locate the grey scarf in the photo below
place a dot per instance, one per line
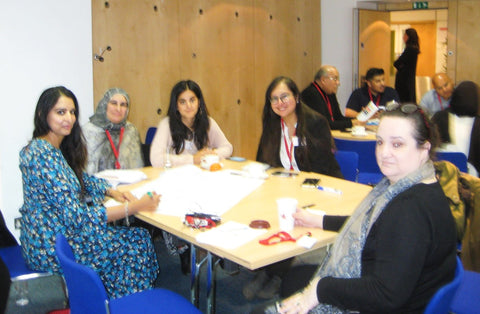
(344, 260)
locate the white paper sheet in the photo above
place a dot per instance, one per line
(229, 235)
(190, 189)
(121, 176)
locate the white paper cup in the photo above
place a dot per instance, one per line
(208, 160)
(286, 207)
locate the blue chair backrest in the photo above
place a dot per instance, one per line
(442, 299)
(348, 162)
(467, 298)
(150, 134)
(457, 158)
(85, 289)
(367, 161)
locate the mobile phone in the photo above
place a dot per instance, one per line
(284, 174)
(236, 158)
(310, 183)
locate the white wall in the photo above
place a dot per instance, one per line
(337, 42)
(44, 43)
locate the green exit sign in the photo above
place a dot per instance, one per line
(420, 5)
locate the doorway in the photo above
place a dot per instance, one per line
(379, 43)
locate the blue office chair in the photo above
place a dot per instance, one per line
(457, 158)
(467, 298)
(150, 134)
(368, 170)
(348, 162)
(442, 299)
(87, 293)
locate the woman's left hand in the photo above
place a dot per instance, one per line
(121, 196)
(301, 302)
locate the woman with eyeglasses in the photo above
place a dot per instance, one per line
(398, 247)
(294, 136)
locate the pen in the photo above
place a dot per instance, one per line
(329, 189)
(308, 206)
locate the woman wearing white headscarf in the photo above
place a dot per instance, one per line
(112, 141)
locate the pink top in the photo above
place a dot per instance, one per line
(163, 139)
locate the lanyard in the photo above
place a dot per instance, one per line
(439, 100)
(289, 150)
(325, 98)
(115, 150)
(371, 97)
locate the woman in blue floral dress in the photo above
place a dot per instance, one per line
(59, 197)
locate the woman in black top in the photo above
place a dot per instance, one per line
(398, 247)
(406, 66)
(294, 136)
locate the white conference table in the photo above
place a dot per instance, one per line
(261, 204)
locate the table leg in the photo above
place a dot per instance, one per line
(195, 275)
(212, 264)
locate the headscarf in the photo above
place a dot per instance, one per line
(100, 152)
(100, 117)
(344, 260)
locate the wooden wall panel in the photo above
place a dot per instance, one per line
(232, 48)
(374, 49)
(427, 33)
(467, 41)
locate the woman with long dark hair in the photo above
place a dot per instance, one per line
(188, 132)
(294, 136)
(59, 197)
(406, 66)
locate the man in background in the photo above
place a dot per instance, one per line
(374, 91)
(439, 97)
(321, 96)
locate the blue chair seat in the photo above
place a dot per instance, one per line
(87, 293)
(13, 258)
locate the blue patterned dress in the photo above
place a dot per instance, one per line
(123, 257)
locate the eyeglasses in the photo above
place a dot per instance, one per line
(406, 108)
(283, 98)
(334, 78)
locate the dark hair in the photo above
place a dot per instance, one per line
(180, 132)
(423, 130)
(269, 147)
(73, 145)
(464, 101)
(372, 72)
(413, 39)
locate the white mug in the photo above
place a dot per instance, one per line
(208, 160)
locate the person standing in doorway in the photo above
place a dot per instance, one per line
(406, 66)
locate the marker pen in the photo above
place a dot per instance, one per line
(329, 189)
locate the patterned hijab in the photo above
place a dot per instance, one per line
(100, 117)
(344, 260)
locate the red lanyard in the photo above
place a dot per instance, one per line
(325, 98)
(371, 97)
(440, 101)
(289, 150)
(115, 150)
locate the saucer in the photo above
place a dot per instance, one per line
(360, 134)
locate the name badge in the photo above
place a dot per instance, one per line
(295, 141)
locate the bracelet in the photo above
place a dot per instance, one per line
(127, 222)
